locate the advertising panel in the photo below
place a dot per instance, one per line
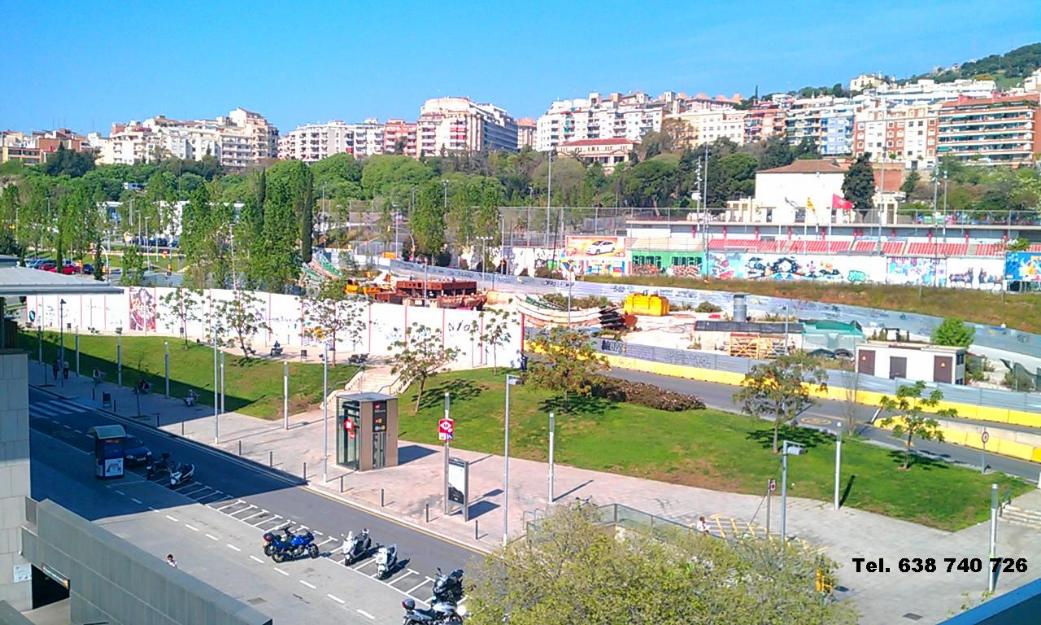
(594, 247)
(1023, 267)
(458, 484)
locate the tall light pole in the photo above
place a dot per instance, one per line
(448, 451)
(510, 381)
(61, 333)
(549, 194)
(787, 449)
(945, 206)
(552, 434)
(216, 404)
(992, 574)
(838, 460)
(325, 411)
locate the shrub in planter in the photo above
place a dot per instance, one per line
(645, 395)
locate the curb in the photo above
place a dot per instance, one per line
(412, 525)
(246, 462)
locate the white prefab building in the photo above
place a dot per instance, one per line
(912, 361)
(802, 192)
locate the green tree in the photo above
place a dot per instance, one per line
(776, 153)
(566, 362)
(243, 316)
(330, 318)
(276, 260)
(297, 185)
(910, 183)
(806, 149)
(393, 176)
(858, 186)
(68, 163)
(496, 326)
(133, 270)
(427, 221)
(420, 355)
(652, 182)
(781, 389)
(953, 332)
(911, 420)
(180, 307)
(10, 204)
(573, 570)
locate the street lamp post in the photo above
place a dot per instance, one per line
(838, 460)
(325, 411)
(945, 207)
(991, 573)
(119, 355)
(787, 449)
(216, 405)
(166, 366)
(61, 333)
(510, 381)
(552, 433)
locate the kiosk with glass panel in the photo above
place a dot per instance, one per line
(366, 431)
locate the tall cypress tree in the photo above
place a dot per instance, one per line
(859, 185)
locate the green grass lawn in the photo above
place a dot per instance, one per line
(252, 387)
(1021, 311)
(706, 448)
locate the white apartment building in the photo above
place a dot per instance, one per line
(526, 128)
(457, 124)
(313, 142)
(902, 133)
(239, 140)
(928, 91)
(616, 117)
(705, 126)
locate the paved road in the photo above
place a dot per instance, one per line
(720, 396)
(230, 490)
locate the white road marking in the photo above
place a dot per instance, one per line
(336, 599)
(280, 571)
(256, 559)
(365, 614)
(407, 573)
(212, 537)
(246, 509)
(66, 426)
(231, 546)
(191, 527)
(173, 518)
(136, 500)
(325, 541)
(197, 489)
(234, 503)
(153, 508)
(246, 518)
(364, 564)
(419, 585)
(308, 584)
(119, 492)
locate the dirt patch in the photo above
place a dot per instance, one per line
(697, 472)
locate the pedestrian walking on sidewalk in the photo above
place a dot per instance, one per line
(65, 369)
(170, 560)
(702, 525)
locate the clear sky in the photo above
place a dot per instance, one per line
(86, 64)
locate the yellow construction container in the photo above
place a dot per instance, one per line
(644, 304)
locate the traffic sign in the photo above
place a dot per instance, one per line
(348, 424)
(773, 485)
(446, 429)
(985, 436)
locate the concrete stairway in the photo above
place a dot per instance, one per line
(1022, 516)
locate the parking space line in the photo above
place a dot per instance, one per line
(136, 500)
(233, 547)
(364, 564)
(405, 576)
(365, 614)
(256, 559)
(246, 518)
(205, 497)
(280, 571)
(419, 585)
(118, 492)
(191, 527)
(336, 599)
(325, 541)
(173, 518)
(212, 537)
(308, 584)
(246, 509)
(234, 503)
(190, 493)
(152, 508)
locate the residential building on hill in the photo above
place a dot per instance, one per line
(456, 124)
(608, 152)
(903, 133)
(35, 147)
(526, 128)
(696, 127)
(763, 122)
(399, 137)
(1004, 130)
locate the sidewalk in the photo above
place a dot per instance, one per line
(409, 488)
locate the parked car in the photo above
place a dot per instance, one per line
(88, 269)
(49, 266)
(70, 268)
(135, 451)
(600, 247)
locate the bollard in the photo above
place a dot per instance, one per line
(341, 483)
(157, 420)
(477, 533)
(271, 458)
(305, 471)
(240, 447)
(381, 497)
(182, 427)
(428, 513)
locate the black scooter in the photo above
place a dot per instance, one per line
(449, 587)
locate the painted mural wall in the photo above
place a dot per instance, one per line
(140, 311)
(972, 273)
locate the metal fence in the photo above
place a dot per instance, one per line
(993, 337)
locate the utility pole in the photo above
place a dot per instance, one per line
(552, 433)
(216, 416)
(285, 394)
(549, 194)
(510, 381)
(838, 461)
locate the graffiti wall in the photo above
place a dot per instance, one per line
(917, 271)
(142, 311)
(752, 266)
(975, 273)
(594, 256)
(1023, 267)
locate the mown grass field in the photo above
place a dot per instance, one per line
(706, 448)
(252, 387)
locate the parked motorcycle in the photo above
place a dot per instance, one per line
(386, 560)
(356, 547)
(289, 546)
(158, 466)
(440, 613)
(183, 474)
(449, 587)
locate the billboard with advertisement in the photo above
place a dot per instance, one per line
(1023, 266)
(594, 247)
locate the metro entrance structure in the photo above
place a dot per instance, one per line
(366, 431)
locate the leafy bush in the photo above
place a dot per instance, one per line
(578, 302)
(707, 307)
(648, 395)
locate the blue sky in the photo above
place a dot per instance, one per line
(87, 64)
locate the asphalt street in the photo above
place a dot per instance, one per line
(239, 501)
(826, 413)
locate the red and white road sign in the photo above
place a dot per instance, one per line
(985, 436)
(445, 429)
(348, 425)
(772, 485)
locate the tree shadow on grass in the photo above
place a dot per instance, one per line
(575, 404)
(804, 437)
(927, 463)
(460, 390)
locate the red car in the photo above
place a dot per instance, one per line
(49, 267)
(71, 268)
